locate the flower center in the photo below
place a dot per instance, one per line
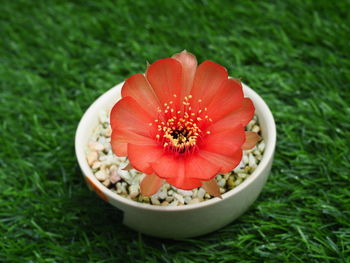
(180, 129)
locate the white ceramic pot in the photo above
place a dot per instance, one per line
(188, 220)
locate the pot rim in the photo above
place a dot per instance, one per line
(85, 168)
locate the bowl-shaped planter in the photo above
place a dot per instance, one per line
(180, 221)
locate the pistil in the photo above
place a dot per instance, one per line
(180, 130)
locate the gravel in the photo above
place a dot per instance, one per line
(108, 169)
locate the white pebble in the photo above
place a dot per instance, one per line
(103, 117)
(226, 176)
(195, 192)
(113, 169)
(124, 174)
(169, 199)
(103, 157)
(174, 203)
(96, 165)
(245, 159)
(222, 182)
(166, 186)
(155, 201)
(252, 161)
(119, 187)
(96, 146)
(101, 175)
(187, 199)
(256, 128)
(251, 124)
(257, 153)
(179, 198)
(238, 181)
(123, 188)
(238, 170)
(91, 157)
(106, 182)
(184, 192)
(194, 201)
(107, 132)
(261, 146)
(240, 166)
(109, 160)
(134, 191)
(162, 194)
(170, 192)
(249, 151)
(201, 193)
(108, 148)
(155, 195)
(114, 178)
(102, 140)
(136, 179)
(132, 172)
(242, 175)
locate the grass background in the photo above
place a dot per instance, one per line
(57, 57)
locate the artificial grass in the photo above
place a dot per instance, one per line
(57, 57)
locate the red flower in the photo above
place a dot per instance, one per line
(182, 123)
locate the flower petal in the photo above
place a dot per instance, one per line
(226, 163)
(224, 148)
(198, 167)
(165, 77)
(251, 138)
(139, 89)
(128, 115)
(207, 81)
(129, 124)
(242, 116)
(119, 148)
(184, 183)
(173, 170)
(225, 142)
(168, 166)
(127, 136)
(212, 187)
(189, 66)
(150, 184)
(141, 156)
(228, 99)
